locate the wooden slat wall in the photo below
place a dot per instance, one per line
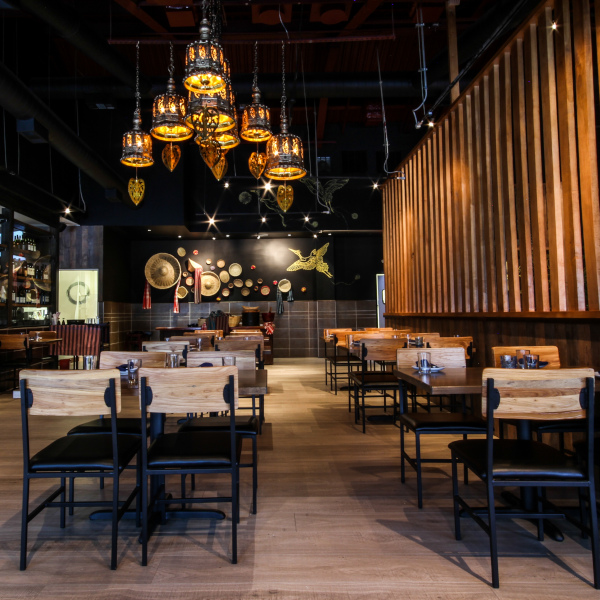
(499, 211)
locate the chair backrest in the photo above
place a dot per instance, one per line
(465, 342)
(245, 332)
(189, 390)
(327, 333)
(427, 336)
(14, 341)
(215, 332)
(536, 394)
(110, 359)
(245, 360)
(205, 342)
(166, 346)
(547, 354)
(44, 335)
(451, 358)
(69, 393)
(380, 349)
(233, 344)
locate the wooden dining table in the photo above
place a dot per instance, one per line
(466, 380)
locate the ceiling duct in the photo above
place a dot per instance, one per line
(22, 103)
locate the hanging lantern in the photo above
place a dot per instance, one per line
(256, 118)
(170, 156)
(204, 70)
(136, 189)
(220, 168)
(205, 122)
(168, 113)
(228, 139)
(222, 102)
(285, 197)
(256, 163)
(285, 154)
(137, 144)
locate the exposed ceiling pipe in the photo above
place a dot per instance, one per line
(22, 103)
(330, 85)
(69, 25)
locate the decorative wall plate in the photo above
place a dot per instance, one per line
(248, 283)
(182, 292)
(225, 292)
(208, 261)
(245, 292)
(265, 290)
(230, 285)
(235, 270)
(220, 263)
(210, 283)
(185, 274)
(189, 281)
(259, 281)
(224, 276)
(238, 282)
(181, 251)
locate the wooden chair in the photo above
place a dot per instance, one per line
(550, 355)
(202, 342)
(111, 359)
(181, 348)
(213, 332)
(15, 353)
(65, 394)
(365, 383)
(428, 423)
(338, 364)
(246, 426)
(163, 391)
(232, 344)
(464, 342)
(526, 395)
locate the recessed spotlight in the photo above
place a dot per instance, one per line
(268, 185)
(431, 124)
(258, 237)
(179, 236)
(214, 238)
(67, 210)
(226, 235)
(264, 219)
(375, 185)
(328, 234)
(554, 25)
(226, 184)
(289, 235)
(314, 235)
(149, 229)
(306, 218)
(211, 221)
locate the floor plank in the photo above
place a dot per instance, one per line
(334, 522)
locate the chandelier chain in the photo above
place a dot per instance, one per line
(255, 80)
(137, 78)
(283, 97)
(171, 61)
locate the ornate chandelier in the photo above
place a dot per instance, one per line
(204, 61)
(137, 144)
(169, 111)
(256, 119)
(285, 154)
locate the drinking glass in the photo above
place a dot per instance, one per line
(521, 354)
(531, 361)
(133, 366)
(508, 361)
(424, 362)
(419, 341)
(229, 361)
(89, 362)
(173, 360)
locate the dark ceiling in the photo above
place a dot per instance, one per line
(68, 77)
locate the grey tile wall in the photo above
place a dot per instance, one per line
(298, 330)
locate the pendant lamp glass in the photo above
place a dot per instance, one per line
(169, 111)
(256, 118)
(137, 144)
(285, 153)
(204, 69)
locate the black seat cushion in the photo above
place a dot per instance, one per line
(84, 452)
(188, 450)
(443, 422)
(126, 426)
(518, 458)
(244, 425)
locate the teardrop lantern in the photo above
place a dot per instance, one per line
(220, 168)
(285, 197)
(170, 156)
(210, 150)
(256, 163)
(136, 189)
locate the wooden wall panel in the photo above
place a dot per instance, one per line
(499, 213)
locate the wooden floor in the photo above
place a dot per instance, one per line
(333, 522)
